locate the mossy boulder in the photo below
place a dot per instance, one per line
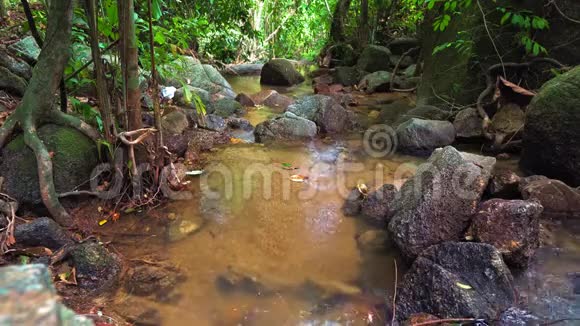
(375, 58)
(75, 156)
(551, 141)
(280, 72)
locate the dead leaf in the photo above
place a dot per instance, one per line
(298, 178)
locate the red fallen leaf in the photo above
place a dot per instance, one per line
(512, 93)
(51, 154)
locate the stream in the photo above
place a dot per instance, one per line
(291, 241)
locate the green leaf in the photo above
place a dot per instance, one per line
(156, 9)
(505, 17)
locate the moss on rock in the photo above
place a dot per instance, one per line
(75, 156)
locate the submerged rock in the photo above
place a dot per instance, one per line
(421, 137)
(180, 229)
(352, 204)
(159, 281)
(42, 231)
(558, 199)
(280, 72)
(378, 206)
(289, 126)
(327, 113)
(456, 279)
(75, 157)
(551, 145)
(438, 202)
(34, 298)
(272, 99)
(511, 226)
(97, 269)
(374, 58)
(245, 100)
(373, 240)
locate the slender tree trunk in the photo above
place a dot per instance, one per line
(337, 34)
(102, 90)
(130, 61)
(363, 25)
(3, 10)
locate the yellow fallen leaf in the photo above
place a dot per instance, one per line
(464, 286)
(363, 189)
(236, 140)
(298, 178)
(103, 222)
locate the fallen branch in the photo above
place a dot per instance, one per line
(568, 18)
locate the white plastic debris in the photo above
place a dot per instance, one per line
(168, 92)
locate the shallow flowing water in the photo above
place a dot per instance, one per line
(292, 240)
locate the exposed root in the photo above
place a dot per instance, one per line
(45, 176)
(490, 82)
(392, 81)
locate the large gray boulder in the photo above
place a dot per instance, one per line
(421, 137)
(456, 279)
(325, 111)
(551, 140)
(75, 157)
(189, 71)
(378, 206)
(29, 298)
(280, 72)
(511, 226)
(287, 127)
(438, 203)
(374, 58)
(26, 49)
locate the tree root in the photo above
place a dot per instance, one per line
(392, 81)
(490, 82)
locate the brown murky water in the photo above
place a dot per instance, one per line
(291, 238)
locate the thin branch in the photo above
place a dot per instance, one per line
(88, 63)
(441, 321)
(394, 73)
(553, 2)
(491, 38)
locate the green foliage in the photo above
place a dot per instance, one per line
(522, 20)
(88, 113)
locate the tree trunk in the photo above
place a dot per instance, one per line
(37, 105)
(363, 26)
(102, 90)
(337, 26)
(3, 11)
(130, 61)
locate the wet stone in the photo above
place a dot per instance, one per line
(373, 240)
(42, 231)
(159, 281)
